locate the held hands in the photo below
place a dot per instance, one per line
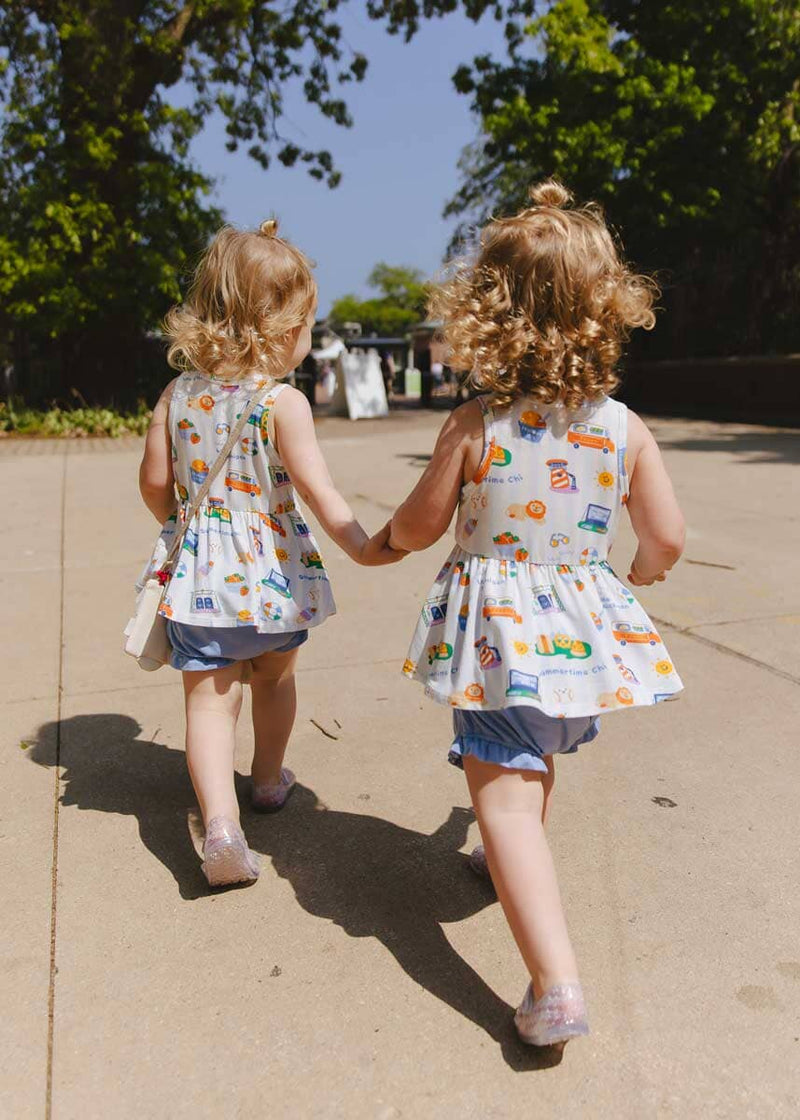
(639, 580)
(377, 551)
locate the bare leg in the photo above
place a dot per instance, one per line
(509, 805)
(213, 702)
(477, 857)
(548, 781)
(274, 708)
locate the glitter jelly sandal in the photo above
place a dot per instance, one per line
(269, 799)
(553, 1019)
(226, 857)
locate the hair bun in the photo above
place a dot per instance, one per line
(269, 228)
(550, 193)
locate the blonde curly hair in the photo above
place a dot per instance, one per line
(250, 291)
(542, 307)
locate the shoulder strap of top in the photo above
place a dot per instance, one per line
(258, 398)
(489, 438)
(271, 397)
(178, 387)
(622, 449)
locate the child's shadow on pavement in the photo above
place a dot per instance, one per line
(369, 876)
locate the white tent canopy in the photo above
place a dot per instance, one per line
(329, 353)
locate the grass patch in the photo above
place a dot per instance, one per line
(17, 419)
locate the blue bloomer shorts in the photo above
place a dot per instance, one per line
(200, 648)
(518, 738)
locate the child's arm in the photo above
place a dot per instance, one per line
(653, 508)
(301, 455)
(156, 479)
(426, 513)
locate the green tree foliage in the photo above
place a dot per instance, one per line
(401, 304)
(683, 120)
(101, 207)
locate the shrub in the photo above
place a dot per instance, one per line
(16, 418)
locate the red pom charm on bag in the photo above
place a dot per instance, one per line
(163, 576)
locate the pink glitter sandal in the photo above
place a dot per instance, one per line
(269, 799)
(553, 1019)
(226, 856)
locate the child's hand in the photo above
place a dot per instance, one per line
(638, 580)
(377, 551)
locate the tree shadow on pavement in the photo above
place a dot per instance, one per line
(369, 876)
(752, 446)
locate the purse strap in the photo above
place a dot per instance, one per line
(202, 493)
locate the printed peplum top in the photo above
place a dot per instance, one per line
(249, 558)
(527, 609)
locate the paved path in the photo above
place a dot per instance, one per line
(367, 975)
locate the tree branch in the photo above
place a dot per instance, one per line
(175, 28)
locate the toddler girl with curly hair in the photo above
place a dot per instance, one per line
(527, 631)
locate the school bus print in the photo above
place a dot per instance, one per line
(500, 608)
(272, 523)
(630, 633)
(245, 483)
(591, 435)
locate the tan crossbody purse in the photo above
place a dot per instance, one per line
(146, 633)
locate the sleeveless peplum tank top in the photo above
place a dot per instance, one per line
(527, 609)
(249, 558)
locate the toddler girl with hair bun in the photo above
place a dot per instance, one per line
(249, 582)
(527, 632)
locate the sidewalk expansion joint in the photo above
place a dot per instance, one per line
(376, 502)
(51, 987)
(752, 618)
(688, 632)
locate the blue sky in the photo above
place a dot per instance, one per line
(398, 161)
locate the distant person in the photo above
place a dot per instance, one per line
(527, 632)
(437, 373)
(388, 372)
(423, 360)
(305, 378)
(248, 582)
(328, 379)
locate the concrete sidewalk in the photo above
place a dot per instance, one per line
(367, 974)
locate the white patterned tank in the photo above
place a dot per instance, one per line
(249, 558)
(527, 609)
